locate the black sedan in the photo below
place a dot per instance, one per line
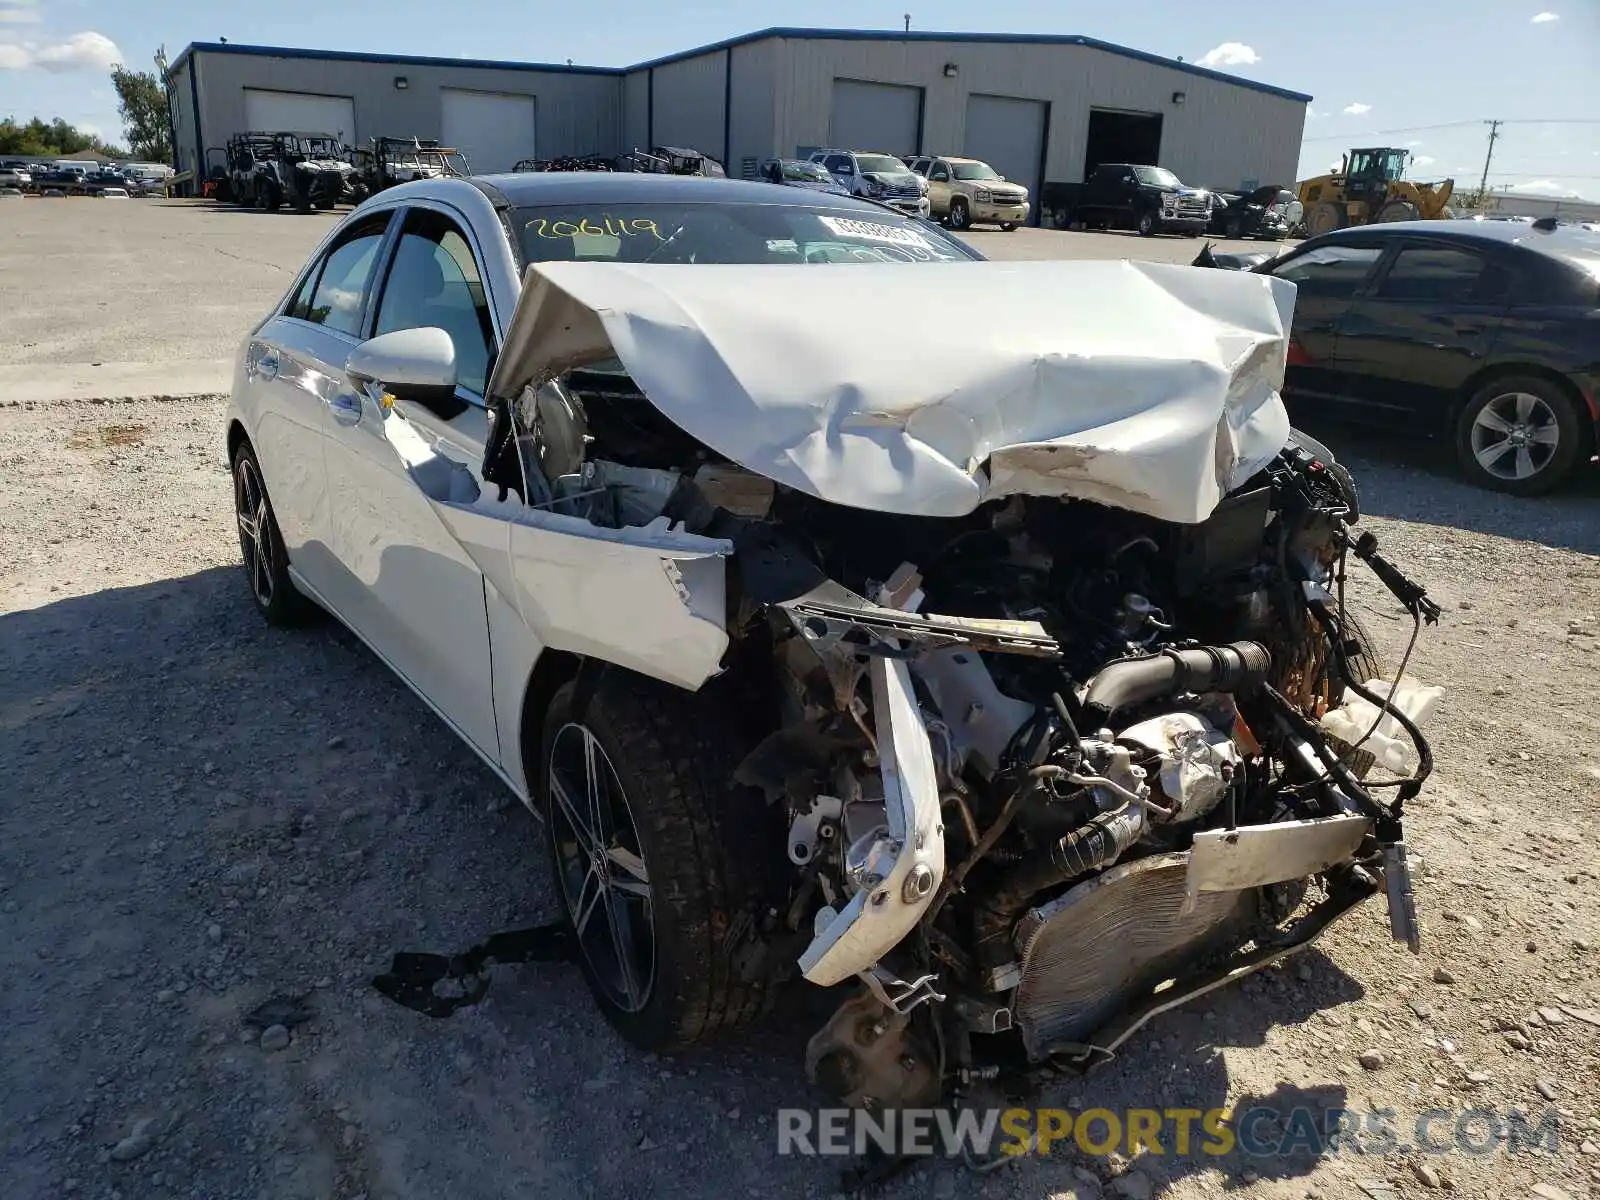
(1485, 332)
(1269, 212)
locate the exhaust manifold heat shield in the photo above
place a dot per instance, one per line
(1107, 943)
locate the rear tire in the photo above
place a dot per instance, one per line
(1061, 218)
(1521, 434)
(1146, 225)
(266, 559)
(675, 869)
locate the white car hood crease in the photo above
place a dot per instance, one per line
(930, 391)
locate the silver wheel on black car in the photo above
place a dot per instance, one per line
(1520, 434)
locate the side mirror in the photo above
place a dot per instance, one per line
(413, 364)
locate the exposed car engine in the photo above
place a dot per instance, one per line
(1027, 766)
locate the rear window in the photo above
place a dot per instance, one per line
(730, 233)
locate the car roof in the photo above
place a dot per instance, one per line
(1561, 241)
(643, 187)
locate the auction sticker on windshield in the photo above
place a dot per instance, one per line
(872, 231)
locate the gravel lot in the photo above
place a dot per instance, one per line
(202, 813)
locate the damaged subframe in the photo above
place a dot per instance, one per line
(1061, 734)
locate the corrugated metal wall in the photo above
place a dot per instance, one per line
(689, 103)
(751, 133)
(1221, 135)
(578, 113)
(635, 111)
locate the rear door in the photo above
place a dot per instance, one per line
(1425, 326)
(1328, 279)
(293, 379)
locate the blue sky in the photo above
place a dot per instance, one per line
(1381, 72)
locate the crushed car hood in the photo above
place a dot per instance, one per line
(1143, 386)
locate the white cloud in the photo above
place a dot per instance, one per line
(1543, 187)
(1423, 160)
(1544, 18)
(13, 14)
(1356, 109)
(88, 51)
(1415, 142)
(1311, 113)
(1230, 54)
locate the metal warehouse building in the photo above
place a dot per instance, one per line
(1038, 108)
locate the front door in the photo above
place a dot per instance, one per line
(939, 188)
(1328, 279)
(414, 592)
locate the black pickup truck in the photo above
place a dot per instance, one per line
(1148, 199)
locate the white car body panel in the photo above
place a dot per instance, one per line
(1147, 387)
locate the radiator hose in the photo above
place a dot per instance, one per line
(1093, 844)
(1235, 668)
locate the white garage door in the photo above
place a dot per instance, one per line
(493, 129)
(1008, 134)
(301, 112)
(875, 116)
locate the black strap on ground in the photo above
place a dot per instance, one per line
(437, 985)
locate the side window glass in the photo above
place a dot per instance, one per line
(941, 172)
(840, 163)
(340, 292)
(435, 282)
(1434, 274)
(300, 305)
(1331, 271)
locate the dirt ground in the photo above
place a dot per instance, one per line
(201, 813)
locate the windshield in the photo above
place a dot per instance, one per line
(807, 172)
(974, 170)
(676, 232)
(882, 164)
(1158, 177)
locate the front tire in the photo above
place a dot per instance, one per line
(1522, 435)
(959, 216)
(655, 854)
(266, 560)
(1008, 226)
(1324, 218)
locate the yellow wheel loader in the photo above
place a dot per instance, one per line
(1369, 186)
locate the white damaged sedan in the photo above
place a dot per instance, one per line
(988, 659)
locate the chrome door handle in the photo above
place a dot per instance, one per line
(345, 407)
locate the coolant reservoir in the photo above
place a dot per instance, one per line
(1388, 743)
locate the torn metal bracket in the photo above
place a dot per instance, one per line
(829, 615)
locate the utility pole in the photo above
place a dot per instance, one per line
(908, 22)
(1494, 132)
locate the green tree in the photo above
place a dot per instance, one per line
(49, 139)
(142, 102)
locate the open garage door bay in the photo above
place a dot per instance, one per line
(300, 112)
(885, 117)
(1008, 134)
(494, 129)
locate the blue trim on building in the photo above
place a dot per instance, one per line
(409, 60)
(200, 164)
(793, 33)
(1003, 39)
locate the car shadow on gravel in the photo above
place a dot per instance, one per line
(1416, 479)
(205, 813)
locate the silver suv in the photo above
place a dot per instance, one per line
(880, 177)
